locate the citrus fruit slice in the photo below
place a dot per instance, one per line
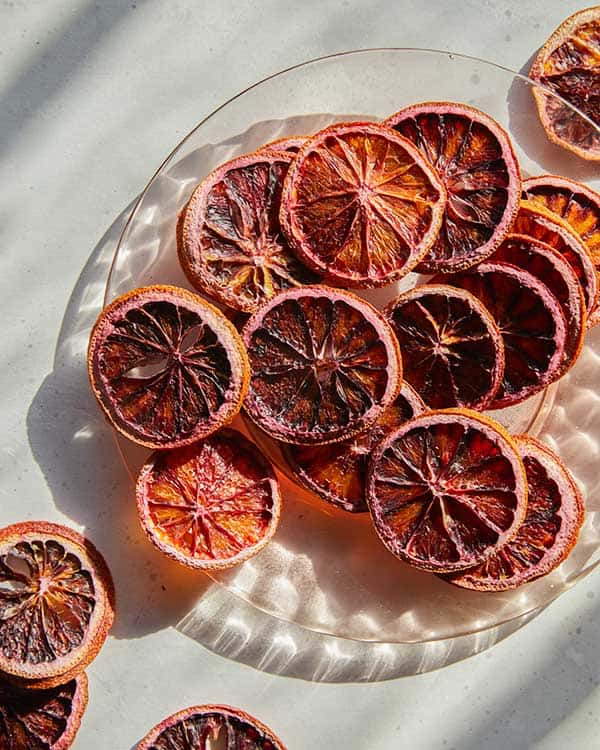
(325, 364)
(549, 266)
(475, 159)
(578, 205)
(194, 728)
(531, 322)
(537, 222)
(452, 350)
(337, 472)
(446, 490)
(209, 505)
(166, 367)
(230, 243)
(361, 205)
(56, 603)
(555, 513)
(569, 65)
(291, 143)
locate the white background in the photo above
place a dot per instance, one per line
(92, 96)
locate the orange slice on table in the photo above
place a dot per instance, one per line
(166, 367)
(569, 65)
(56, 604)
(446, 490)
(476, 162)
(209, 505)
(325, 365)
(452, 350)
(361, 205)
(290, 143)
(555, 513)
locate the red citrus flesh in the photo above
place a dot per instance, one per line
(361, 205)
(569, 65)
(194, 728)
(290, 143)
(166, 367)
(325, 365)
(42, 719)
(209, 505)
(446, 490)
(530, 320)
(56, 603)
(555, 513)
(337, 472)
(476, 162)
(452, 350)
(230, 242)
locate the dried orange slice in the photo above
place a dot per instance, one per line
(475, 159)
(56, 603)
(166, 367)
(201, 727)
(361, 205)
(549, 266)
(230, 243)
(537, 222)
(209, 505)
(337, 472)
(555, 513)
(291, 143)
(42, 719)
(452, 350)
(569, 65)
(578, 205)
(531, 322)
(325, 364)
(446, 490)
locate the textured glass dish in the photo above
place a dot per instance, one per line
(326, 570)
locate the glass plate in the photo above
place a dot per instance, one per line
(326, 570)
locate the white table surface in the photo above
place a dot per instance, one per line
(92, 96)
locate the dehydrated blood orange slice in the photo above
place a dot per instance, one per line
(291, 143)
(452, 350)
(361, 205)
(475, 159)
(549, 266)
(337, 471)
(198, 727)
(555, 513)
(446, 490)
(569, 65)
(230, 243)
(166, 367)
(537, 222)
(577, 204)
(325, 364)
(56, 603)
(42, 719)
(209, 505)
(531, 322)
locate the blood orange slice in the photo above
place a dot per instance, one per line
(569, 65)
(166, 367)
(555, 513)
(337, 472)
(197, 728)
(361, 205)
(475, 159)
(446, 490)
(578, 205)
(325, 365)
(56, 603)
(291, 143)
(452, 349)
(549, 266)
(537, 222)
(230, 243)
(42, 719)
(209, 505)
(531, 322)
